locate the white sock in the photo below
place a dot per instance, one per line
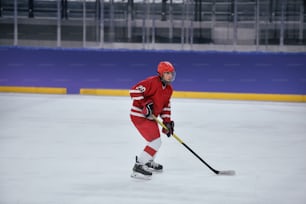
(145, 157)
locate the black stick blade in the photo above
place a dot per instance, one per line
(227, 173)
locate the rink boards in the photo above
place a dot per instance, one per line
(211, 75)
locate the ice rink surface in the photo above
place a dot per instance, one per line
(73, 149)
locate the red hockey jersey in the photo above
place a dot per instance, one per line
(152, 89)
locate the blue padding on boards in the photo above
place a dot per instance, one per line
(279, 73)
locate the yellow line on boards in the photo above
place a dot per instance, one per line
(25, 89)
(105, 92)
(207, 95)
(176, 94)
(241, 96)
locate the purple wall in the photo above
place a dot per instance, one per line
(282, 73)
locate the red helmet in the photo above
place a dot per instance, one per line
(163, 67)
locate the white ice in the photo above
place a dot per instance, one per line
(73, 149)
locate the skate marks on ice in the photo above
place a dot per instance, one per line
(138, 176)
(74, 149)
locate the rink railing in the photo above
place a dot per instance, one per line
(207, 95)
(176, 94)
(204, 75)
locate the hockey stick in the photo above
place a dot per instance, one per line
(226, 172)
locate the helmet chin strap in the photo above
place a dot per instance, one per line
(164, 82)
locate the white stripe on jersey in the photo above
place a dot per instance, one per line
(137, 114)
(135, 91)
(140, 115)
(166, 109)
(136, 108)
(165, 116)
(138, 98)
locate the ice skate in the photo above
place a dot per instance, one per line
(153, 166)
(140, 171)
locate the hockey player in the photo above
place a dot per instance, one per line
(152, 96)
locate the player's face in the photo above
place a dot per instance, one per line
(169, 76)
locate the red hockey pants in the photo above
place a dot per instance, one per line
(147, 128)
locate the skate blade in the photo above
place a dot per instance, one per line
(155, 170)
(137, 175)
